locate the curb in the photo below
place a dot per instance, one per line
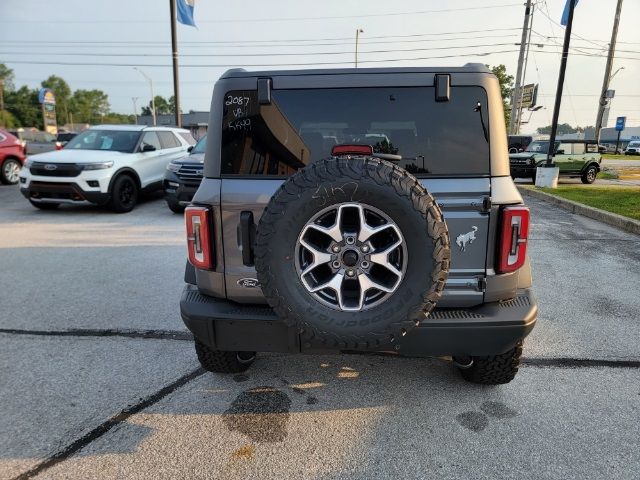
(627, 224)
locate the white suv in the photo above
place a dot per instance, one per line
(105, 165)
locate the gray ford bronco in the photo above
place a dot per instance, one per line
(367, 210)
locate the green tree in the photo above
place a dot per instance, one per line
(172, 104)
(89, 106)
(23, 104)
(563, 129)
(162, 106)
(6, 77)
(506, 87)
(62, 93)
(7, 120)
(118, 118)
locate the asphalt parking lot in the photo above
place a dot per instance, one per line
(98, 378)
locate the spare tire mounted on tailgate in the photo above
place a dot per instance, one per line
(353, 251)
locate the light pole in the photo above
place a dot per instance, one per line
(135, 109)
(530, 110)
(153, 100)
(358, 32)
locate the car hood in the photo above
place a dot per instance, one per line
(77, 156)
(197, 158)
(523, 155)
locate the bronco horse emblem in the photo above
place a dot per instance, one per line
(465, 238)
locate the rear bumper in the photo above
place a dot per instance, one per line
(489, 329)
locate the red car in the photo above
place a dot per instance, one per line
(12, 156)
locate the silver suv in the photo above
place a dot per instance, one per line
(340, 212)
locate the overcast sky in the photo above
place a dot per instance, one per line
(41, 37)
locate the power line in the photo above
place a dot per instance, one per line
(271, 54)
(275, 45)
(474, 54)
(128, 43)
(283, 19)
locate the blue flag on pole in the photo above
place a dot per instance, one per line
(185, 12)
(565, 14)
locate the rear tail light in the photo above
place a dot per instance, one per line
(514, 236)
(351, 150)
(58, 146)
(198, 238)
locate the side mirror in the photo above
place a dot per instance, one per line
(190, 148)
(559, 152)
(148, 148)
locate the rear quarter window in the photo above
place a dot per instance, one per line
(303, 125)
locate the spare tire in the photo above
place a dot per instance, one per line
(353, 251)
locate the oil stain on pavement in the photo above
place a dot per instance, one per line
(478, 421)
(261, 413)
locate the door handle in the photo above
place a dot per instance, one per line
(247, 237)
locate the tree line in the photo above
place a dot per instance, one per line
(19, 107)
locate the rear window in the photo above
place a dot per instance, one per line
(302, 126)
(168, 140)
(187, 137)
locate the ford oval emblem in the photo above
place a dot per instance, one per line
(50, 166)
(249, 282)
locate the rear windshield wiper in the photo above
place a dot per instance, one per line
(478, 108)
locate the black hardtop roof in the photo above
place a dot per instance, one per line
(568, 140)
(468, 68)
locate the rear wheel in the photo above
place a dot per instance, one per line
(217, 361)
(44, 206)
(10, 171)
(491, 369)
(124, 194)
(175, 207)
(589, 175)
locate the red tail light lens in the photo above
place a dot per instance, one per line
(58, 146)
(514, 236)
(198, 238)
(352, 150)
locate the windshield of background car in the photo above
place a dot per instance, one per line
(111, 140)
(539, 146)
(200, 146)
(302, 126)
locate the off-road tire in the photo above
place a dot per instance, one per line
(494, 369)
(217, 361)
(589, 175)
(119, 202)
(44, 206)
(361, 180)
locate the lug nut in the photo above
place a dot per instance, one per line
(336, 264)
(365, 264)
(335, 248)
(365, 248)
(351, 240)
(350, 273)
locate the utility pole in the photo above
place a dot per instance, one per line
(607, 71)
(135, 110)
(563, 68)
(524, 71)
(358, 32)
(174, 54)
(517, 91)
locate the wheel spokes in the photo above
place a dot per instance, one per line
(366, 231)
(319, 257)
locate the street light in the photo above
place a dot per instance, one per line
(153, 100)
(531, 110)
(358, 32)
(135, 109)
